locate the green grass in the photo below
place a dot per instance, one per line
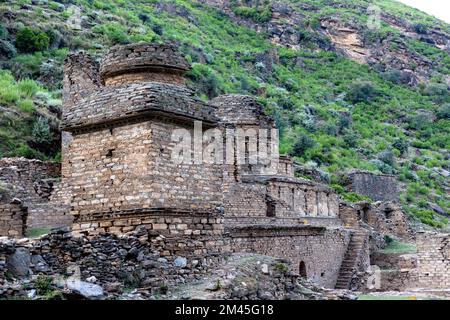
(37, 232)
(399, 247)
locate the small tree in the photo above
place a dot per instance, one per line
(29, 40)
(41, 131)
(303, 143)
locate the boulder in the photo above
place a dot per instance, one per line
(19, 262)
(86, 289)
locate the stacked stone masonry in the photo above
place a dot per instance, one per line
(433, 260)
(118, 172)
(376, 187)
(12, 219)
(37, 199)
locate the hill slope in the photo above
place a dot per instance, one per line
(347, 90)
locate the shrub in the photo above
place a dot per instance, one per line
(361, 91)
(387, 157)
(419, 121)
(437, 91)
(29, 40)
(7, 49)
(283, 268)
(303, 143)
(401, 145)
(344, 121)
(444, 112)
(115, 33)
(382, 166)
(41, 131)
(206, 80)
(143, 17)
(350, 139)
(420, 28)
(260, 15)
(397, 76)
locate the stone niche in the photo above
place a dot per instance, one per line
(377, 187)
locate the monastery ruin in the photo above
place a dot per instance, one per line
(118, 176)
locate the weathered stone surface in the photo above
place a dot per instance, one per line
(86, 289)
(19, 262)
(376, 187)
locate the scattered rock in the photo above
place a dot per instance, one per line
(86, 289)
(180, 262)
(265, 268)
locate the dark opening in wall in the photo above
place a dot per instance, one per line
(302, 270)
(271, 209)
(110, 153)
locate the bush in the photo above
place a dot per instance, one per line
(444, 112)
(420, 28)
(419, 121)
(7, 50)
(41, 131)
(361, 91)
(206, 80)
(344, 121)
(401, 145)
(115, 33)
(350, 139)
(397, 76)
(256, 14)
(303, 143)
(29, 40)
(437, 91)
(387, 157)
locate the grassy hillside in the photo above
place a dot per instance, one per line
(333, 113)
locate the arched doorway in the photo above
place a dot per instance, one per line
(302, 269)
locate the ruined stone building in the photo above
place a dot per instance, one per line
(118, 173)
(117, 170)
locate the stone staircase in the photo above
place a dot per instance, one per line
(351, 259)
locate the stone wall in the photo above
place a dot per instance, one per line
(130, 167)
(315, 252)
(143, 58)
(387, 219)
(179, 233)
(31, 180)
(131, 260)
(12, 219)
(271, 196)
(53, 213)
(376, 187)
(433, 260)
(81, 78)
(35, 184)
